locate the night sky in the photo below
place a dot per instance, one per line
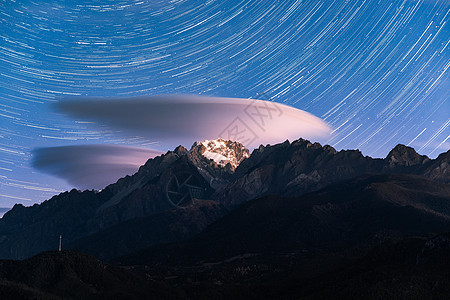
(375, 71)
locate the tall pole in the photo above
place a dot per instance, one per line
(60, 239)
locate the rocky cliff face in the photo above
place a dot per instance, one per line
(438, 169)
(217, 160)
(292, 169)
(221, 171)
(404, 156)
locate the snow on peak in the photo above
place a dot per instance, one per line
(224, 152)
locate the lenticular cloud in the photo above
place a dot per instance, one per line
(176, 119)
(91, 166)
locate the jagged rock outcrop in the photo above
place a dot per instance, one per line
(292, 169)
(438, 169)
(404, 156)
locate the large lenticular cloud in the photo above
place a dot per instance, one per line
(177, 119)
(91, 166)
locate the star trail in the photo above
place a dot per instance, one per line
(375, 71)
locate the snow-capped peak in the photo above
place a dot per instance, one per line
(224, 152)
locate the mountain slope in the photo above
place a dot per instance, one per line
(140, 233)
(26, 231)
(341, 215)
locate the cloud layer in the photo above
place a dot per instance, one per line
(170, 120)
(178, 119)
(91, 166)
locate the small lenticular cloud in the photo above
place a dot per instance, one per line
(91, 166)
(178, 119)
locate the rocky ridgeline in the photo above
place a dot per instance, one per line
(220, 171)
(292, 169)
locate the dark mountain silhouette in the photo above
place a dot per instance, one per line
(290, 221)
(3, 210)
(168, 183)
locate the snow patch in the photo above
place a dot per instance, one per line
(218, 158)
(224, 152)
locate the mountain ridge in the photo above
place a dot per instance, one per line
(171, 182)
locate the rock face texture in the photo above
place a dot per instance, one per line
(292, 169)
(176, 186)
(404, 156)
(217, 160)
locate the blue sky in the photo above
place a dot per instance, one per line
(376, 71)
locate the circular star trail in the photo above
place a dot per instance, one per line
(376, 71)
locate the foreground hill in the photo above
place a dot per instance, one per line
(71, 275)
(401, 268)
